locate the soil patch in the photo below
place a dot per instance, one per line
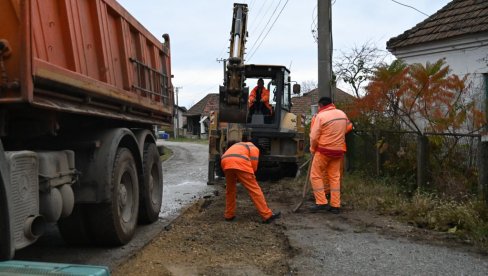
(201, 242)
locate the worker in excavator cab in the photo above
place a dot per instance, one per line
(259, 100)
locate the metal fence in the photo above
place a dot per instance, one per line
(445, 163)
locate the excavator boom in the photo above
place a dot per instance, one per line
(234, 94)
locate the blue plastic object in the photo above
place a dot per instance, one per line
(39, 268)
(163, 135)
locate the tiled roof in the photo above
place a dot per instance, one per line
(459, 17)
(209, 103)
(301, 105)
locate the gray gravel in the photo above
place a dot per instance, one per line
(328, 246)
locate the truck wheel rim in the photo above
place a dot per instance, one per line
(125, 197)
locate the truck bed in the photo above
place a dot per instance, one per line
(86, 57)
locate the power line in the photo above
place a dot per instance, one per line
(264, 29)
(269, 29)
(408, 6)
(252, 4)
(259, 13)
(313, 27)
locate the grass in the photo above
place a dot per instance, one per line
(468, 219)
(167, 154)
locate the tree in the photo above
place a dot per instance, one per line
(357, 66)
(420, 98)
(308, 85)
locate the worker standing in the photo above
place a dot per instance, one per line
(259, 99)
(239, 163)
(327, 144)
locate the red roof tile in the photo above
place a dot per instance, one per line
(459, 17)
(209, 103)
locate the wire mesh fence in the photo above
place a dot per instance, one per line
(444, 163)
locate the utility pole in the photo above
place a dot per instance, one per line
(324, 14)
(177, 113)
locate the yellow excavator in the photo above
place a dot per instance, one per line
(279, 134)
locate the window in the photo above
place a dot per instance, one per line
(285, 99)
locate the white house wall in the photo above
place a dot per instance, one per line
(464, 56)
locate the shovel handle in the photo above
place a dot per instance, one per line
(306, 186)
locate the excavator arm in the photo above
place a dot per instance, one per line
(234, 94)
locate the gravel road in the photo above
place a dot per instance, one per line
(329, 244)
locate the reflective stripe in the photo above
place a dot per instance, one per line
(337, 119)
(247, 146)
(235, 155)
(318, 190)
(243, 144)
(249, 150)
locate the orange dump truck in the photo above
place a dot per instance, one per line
(82, 85)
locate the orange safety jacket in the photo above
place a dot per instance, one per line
(264, 97)
(243, 156)
(327, 131)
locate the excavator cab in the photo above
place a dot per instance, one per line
(277, 82)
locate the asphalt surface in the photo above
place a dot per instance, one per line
(185, 181)
(328, 245)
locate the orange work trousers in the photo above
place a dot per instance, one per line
(248, 180)
(325, 176)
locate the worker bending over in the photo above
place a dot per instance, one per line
(239, 163)
(328, 145)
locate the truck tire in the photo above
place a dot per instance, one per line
(218, 168)
(74, 228)
(151, 191)
(6, 246)
(289, 169)
(114, 223)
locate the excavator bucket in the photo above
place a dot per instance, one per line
(233, 109)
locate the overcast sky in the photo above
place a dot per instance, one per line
(199, 32)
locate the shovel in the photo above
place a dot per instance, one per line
(306, 186)
(300, 168)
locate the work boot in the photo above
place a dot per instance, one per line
(273, 217)
(334, 210)
(319, 207)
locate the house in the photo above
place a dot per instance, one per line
(197, 115)
(457, 33)
(180, 120)
(307, 104)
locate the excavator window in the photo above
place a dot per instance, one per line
(261, 101)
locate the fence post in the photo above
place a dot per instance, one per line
(351, 147)
(422, 160)
(378, 152)
(483, 167)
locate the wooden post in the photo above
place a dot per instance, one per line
(378, 152)
(483, 168)
(350, 154)
(422, 160)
